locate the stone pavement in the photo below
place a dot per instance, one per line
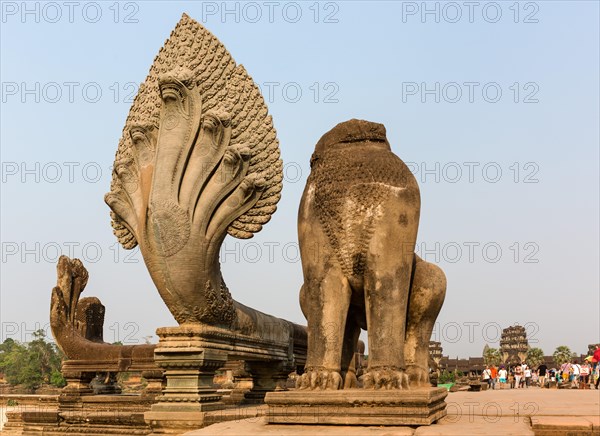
(533, 411)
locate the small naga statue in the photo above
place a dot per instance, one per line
(198, 159)
(77, 323)
(361, 208)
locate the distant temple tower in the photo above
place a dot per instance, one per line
(514, 345)
(435, 354)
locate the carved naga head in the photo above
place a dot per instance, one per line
(198, 159)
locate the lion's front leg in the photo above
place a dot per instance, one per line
(387, 280)
(385, 298)
(325, 301)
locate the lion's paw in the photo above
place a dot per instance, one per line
(417, 376)
(350, 381)
(385, 378)
(320, 379)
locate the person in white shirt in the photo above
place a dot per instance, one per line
(502, 375)
(576, 372)
(487, 376)
(527, 373)
(518, 373)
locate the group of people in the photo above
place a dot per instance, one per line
(580, 375)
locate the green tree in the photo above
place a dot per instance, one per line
(535, 357)
(562, 354)
(492, 356)
(32, 364)
(446, 377)
(12, 354)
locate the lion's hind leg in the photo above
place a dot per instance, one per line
(427, 294)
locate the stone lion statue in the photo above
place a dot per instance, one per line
(357, 228)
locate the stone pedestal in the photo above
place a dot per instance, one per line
(357, 407)
(189, 368)
(78, 382)
(78, 386)
(266, 377)
(154, 386)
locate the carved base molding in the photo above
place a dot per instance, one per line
(90, 415)
(189, 368)
(180, 394)
(190, 354)
(182, 422)
(357, 407)
(175, 422)
(94, 422)
(80, 373)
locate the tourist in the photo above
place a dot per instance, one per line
(576, 369)
(502, 376)
(584, 375)
(541, 371)
(523, 368)
(527, 373)
(487, 376)
(494, 377)
(596, 362)
(518, 375)
(565, 372)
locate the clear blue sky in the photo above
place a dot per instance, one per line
(509, 182)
